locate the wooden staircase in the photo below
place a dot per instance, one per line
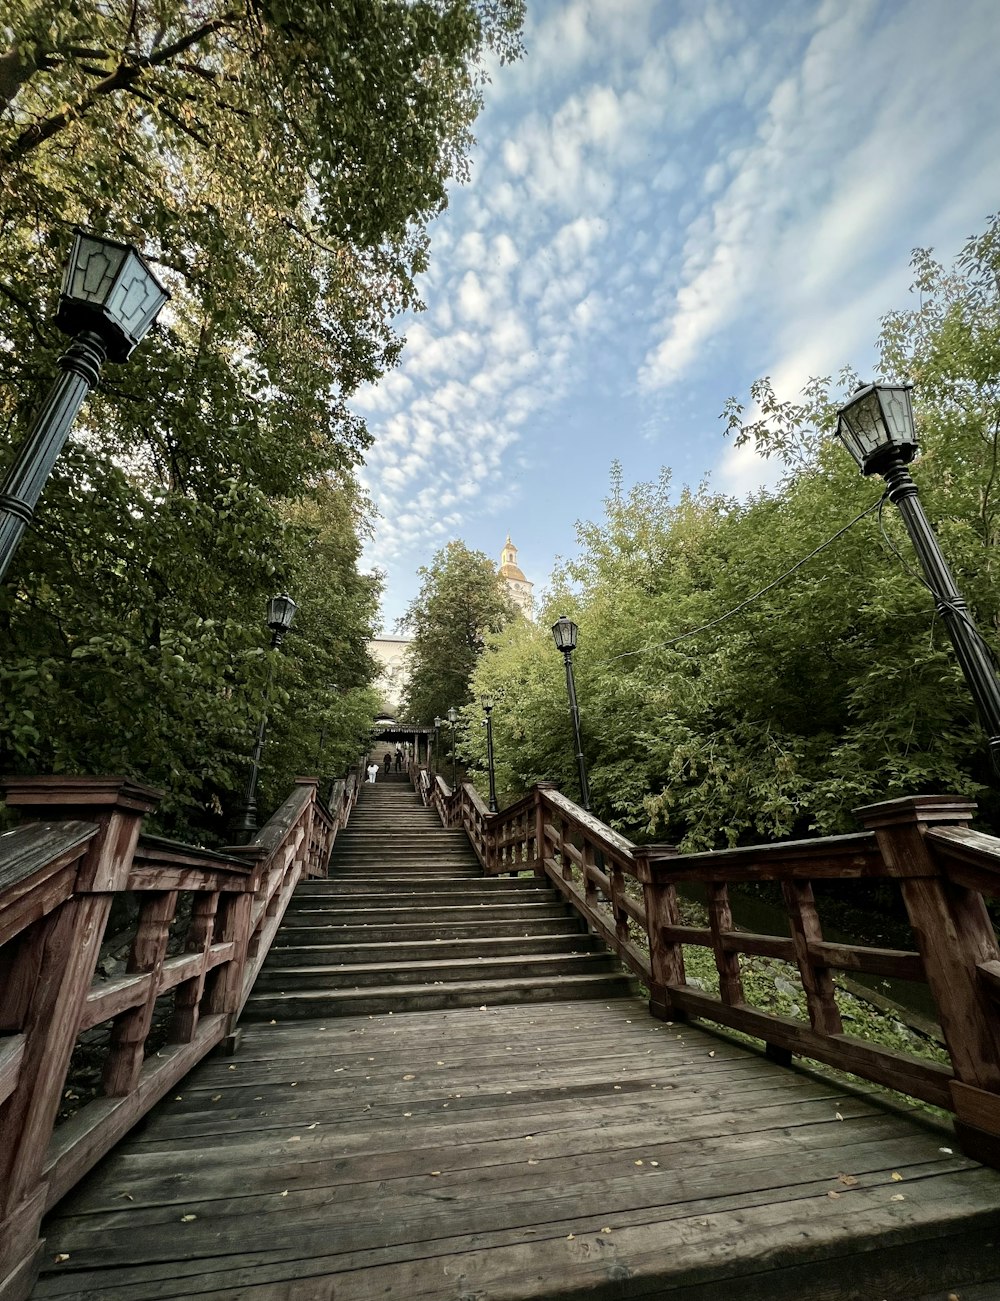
(407, 922)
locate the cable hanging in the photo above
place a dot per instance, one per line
(660, 645)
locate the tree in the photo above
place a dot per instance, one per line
(279, 164)
(461, 600)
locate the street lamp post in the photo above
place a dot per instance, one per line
(876, 427)
(438, 724)
(280, 613)
(452, 720)
(564, 632)
(488, 711)
(109, 300)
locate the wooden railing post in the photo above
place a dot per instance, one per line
(55, 968)
(539, 861)
(954, 934)
(666, 957)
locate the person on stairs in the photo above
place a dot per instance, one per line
(387, 762)
(372, 771)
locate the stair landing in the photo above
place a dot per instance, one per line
(518, 1151)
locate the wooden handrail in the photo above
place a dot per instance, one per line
(628, 896)
(58, 878)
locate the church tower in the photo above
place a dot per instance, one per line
(517, 584)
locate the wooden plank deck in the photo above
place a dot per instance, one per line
(547, 1150)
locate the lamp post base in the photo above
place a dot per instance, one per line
(243, 823)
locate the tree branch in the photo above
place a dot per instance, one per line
(124, 77)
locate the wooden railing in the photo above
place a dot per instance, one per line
(628, 896)
(204, 922)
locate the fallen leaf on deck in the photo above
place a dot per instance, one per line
(285, 1193)
(606, 1230)
(64, 1255)
(838, 1115)
(711, 1054)
(313, 1125)
(897, 1197)
(847, 1180)
(186, 1218)
(409, 1077)
(948, 1152)
(654, 1163)
(483, 1008)
(832, 1193)
(637, 1163)
(296, 1138)
(569, 1238)
(897, 1178)
(232, 1068)
(407, 1113)
(435, 1173)
(618, 1087)
(128, 1195)
(532, 1161)
(216, 1097)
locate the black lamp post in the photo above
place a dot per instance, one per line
(109, 300)
(876, 427)
(452, 720)
(280, 613)
(564, 634)
(438, 724)
(488, 711)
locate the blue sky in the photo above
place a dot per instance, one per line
(668, 200)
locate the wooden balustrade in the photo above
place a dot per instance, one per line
(628, 896)
(79, 846)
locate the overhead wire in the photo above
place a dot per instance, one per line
(729, 614)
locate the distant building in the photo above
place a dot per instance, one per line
(518, 586)
(392, 654)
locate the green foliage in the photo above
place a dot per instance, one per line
(836, 688)
(278, 163)
(462, 599)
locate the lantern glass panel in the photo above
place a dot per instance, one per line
(452, 715)
(280, 613)
(135, 298)
(92, 269)
(897, 413)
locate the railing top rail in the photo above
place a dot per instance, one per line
(600, 834)
(975, 855)
(525, 803)
(855, 854)
(160, 849)
(475, 799)
(80, 792)
(272, 834)
(31, 848)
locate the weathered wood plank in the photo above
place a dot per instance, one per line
(11, 1056)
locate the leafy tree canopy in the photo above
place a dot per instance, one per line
(462, 599)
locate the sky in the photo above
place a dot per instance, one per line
(668, 199)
